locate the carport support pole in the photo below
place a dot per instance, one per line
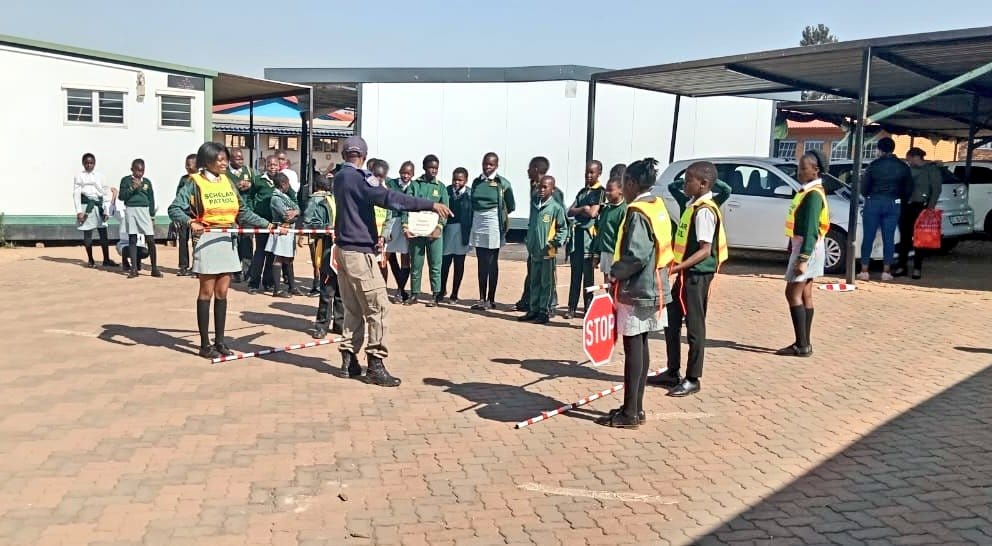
(859, 156)
(591, 119)
(675, 129)
(972, 133)
(251, 135)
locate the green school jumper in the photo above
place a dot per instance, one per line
(607, 226)
(546, 233)
(580, 250)
(524, 302)
(420, 247)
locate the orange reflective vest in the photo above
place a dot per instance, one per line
(685, 223)
(219, 204)
(790, 219)
(661, 225)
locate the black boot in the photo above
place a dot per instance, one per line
(220, 321)
(203, 323)
(800, 347)
(378, 375)
(349, 365)
(809, 329)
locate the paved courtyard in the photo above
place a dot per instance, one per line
(113, 432)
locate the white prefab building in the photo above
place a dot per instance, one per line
(459, 114)
(58, 102)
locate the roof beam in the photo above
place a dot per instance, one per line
(935, 75)
(794, 84)
(933, 92)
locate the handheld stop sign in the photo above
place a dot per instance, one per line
(599, 332)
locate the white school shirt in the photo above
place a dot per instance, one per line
(705, 220)
(89, 184)
(294, 179)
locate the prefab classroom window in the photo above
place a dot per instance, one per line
(93, 106)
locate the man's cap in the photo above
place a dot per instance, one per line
(355, 144)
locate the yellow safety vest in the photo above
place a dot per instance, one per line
(790, 219)
(381, 215)
(661, 225)
(219, 204)
(320, 239)
(682, 235)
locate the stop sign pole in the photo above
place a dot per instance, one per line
(599, 331)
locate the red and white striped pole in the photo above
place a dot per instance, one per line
(304, 231)
(595, 287)
(271, 350)
(580, 402)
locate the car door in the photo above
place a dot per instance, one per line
(979, 194)
(755, 214)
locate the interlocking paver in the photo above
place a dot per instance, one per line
(115, 433)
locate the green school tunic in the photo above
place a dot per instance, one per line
(495, 194)
(607, 226)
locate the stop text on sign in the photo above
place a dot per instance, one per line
(600, 330)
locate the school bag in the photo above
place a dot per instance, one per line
(926, 231)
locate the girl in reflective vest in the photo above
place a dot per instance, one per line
(212, 200)
(805, 226)
(640, 283)
(700, 247)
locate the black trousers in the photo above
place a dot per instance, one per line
(261, 264)
(446, 262)
(582, 278)
(907, 224)
(182, 241)
(692, 294)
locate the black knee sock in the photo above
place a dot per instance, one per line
(152, 255)
(132, 251)
(394, 266)
(459, 274)
(220, 319)
(809, 326)
(483, 272)
(287, 268)
(633, 350)
(403, 278)
(798, 313)
(88, 245)
(203, 321)
(493, 276)
(645, 368)
(104, 243)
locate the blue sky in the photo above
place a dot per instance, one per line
(247, 36)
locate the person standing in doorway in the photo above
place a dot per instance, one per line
(88, 196)
(806, 224)
(430, 247)
(363, 292)
(260, 276)
(887, 181)
(583, 213)
(182, 229)
(243, 177)
(457, 232)
(492, 204)
(928, 180)
(139, 197)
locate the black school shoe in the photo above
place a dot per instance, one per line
(157, 274)
(320, 332)
(541, 319)
(666, 379)
(376, 374)
(411, 300)
(795, 350)
(223, 349)
(685, 388)
(618, 419)
(281, 294)
(109, 263)
(528, 317)
(209, 352)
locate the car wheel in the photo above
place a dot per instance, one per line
(835, 251)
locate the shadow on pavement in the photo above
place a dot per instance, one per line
(503, 403)
(551, 369)
(975, 350)
(297, 324)
(298, 309)
(921, 478)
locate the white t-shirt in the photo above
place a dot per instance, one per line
(705, 220)
(294, 179)
(89, 184)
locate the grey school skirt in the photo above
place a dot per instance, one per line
(216, 253)
(453, 241)
(283, 246)
(92, 221)
(485, 230)
(397, 242)
(138, 221)
(815, 265)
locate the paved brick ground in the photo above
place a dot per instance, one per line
(112, 432)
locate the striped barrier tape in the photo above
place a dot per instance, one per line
(595, 287)
(271, 350)
(304, 231)
(838, 287)
(581, 402)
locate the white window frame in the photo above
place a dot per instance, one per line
(795, 146)
(819, 145)
(871, 145)
(94, 105)
(839, 145)
(175, 93)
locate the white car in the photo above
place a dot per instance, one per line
(959, 218)
(979, 191)
(762, 193)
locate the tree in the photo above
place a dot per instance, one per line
(820, 34)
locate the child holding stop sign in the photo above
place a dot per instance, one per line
(640, 283)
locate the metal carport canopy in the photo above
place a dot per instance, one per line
(230, 88)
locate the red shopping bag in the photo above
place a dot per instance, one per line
(926, 231)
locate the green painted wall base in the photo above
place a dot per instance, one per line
(61, 228)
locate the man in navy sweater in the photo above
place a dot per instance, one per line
(363, 290)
